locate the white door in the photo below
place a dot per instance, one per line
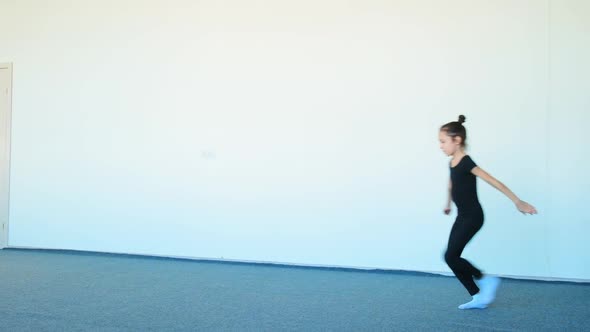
(5, 111)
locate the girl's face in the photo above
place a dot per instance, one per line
(447, 144)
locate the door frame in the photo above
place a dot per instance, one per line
(5, 203)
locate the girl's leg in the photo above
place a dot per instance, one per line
(462, 232)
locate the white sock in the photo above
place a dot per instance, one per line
(476, 303)
(488, 286)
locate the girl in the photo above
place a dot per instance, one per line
(463, 191)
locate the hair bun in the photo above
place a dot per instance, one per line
(461, 119)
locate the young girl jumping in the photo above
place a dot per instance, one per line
(463, 191)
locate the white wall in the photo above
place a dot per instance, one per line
(568, 159)
(300, 132)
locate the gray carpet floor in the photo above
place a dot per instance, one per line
(74, 291)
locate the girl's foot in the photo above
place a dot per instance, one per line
(476, 303)
(488, 286)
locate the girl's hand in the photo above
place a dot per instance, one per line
(525, 207)
(447, 210)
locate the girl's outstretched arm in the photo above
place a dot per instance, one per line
(522, 206)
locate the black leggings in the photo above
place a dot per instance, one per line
(464, 229)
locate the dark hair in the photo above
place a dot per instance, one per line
(456, 129)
